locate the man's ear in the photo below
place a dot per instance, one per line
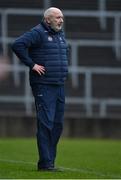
(48, 20)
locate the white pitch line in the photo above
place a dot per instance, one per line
(91, 171)
(15, 161)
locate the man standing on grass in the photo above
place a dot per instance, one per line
(44, 50)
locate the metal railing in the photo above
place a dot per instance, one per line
(87, 100)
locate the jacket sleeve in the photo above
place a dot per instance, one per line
(21, 46)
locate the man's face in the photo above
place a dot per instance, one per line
(56, 20)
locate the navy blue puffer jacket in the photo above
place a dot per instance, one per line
(43, 46)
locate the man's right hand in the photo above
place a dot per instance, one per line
(39, 69)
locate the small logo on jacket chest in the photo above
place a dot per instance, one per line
(50, 38)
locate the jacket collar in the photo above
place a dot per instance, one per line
(49, 29)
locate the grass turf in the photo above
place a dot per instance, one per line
(78, 158)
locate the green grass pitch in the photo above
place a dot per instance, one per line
(78, 158)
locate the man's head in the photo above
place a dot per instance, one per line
(54, 18)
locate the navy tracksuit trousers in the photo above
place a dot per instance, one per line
(49, 101)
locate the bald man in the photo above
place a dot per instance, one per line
(44, 50)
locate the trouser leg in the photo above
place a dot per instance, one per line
(55, 136)
(45, 100)
(58, 122)
(43, 143)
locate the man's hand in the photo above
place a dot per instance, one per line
(39, 69)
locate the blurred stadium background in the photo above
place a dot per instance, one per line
(93, 87)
